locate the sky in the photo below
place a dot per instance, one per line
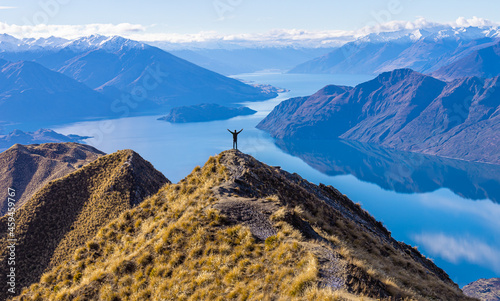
(195, 19)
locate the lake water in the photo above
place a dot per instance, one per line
(448, 208)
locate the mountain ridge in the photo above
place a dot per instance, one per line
(66, 212)
(423, 50)
(29, 168)
(239, 228)
(148, 74)
(26, 84)
(402, 109)
(483, 63)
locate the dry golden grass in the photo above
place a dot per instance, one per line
(68, 211)
(182, 249)
(177, 246)
(28, 168)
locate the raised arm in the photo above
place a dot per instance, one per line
(229, 131)
(240, 131)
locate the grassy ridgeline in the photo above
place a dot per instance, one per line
(239, 229)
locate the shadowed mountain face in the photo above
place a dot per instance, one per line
(483, 63)
(396, 170)
(402, 109)
(164, 78)
(33, 94)
(484, 289)
(28, 168)
(237, 227)
(68, 211)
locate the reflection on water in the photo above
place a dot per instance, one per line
(396, 170)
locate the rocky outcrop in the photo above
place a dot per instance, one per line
(484, 289)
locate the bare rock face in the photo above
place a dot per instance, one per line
(403, 110)
(484, 289)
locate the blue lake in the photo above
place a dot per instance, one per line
(450, 209)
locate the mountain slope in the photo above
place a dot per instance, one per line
(402, 109)
(50, 96)
(172, 80)
(28, 168)
(355, 57)
(68, 211)
(481, 63)
(239, 229)
(147, 73)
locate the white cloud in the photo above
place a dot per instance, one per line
(475, 21)
(456, 249)
(69, 31)
(296, 37)
(482, 210)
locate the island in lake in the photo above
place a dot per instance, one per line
(205, 112)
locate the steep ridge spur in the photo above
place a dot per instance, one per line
(402, 109)
(28, 168)
(68, 211)
(237, 228)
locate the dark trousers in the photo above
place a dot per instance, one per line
(235, 144)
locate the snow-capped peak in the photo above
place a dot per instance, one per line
(433, 33)
(111, 44)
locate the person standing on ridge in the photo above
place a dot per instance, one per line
(235, 138)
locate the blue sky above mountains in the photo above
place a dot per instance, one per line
(198, 20)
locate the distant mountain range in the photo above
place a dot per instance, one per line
(484, 289)
(98, 76)
(402, 109)
(423, 50)
(248, 60)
